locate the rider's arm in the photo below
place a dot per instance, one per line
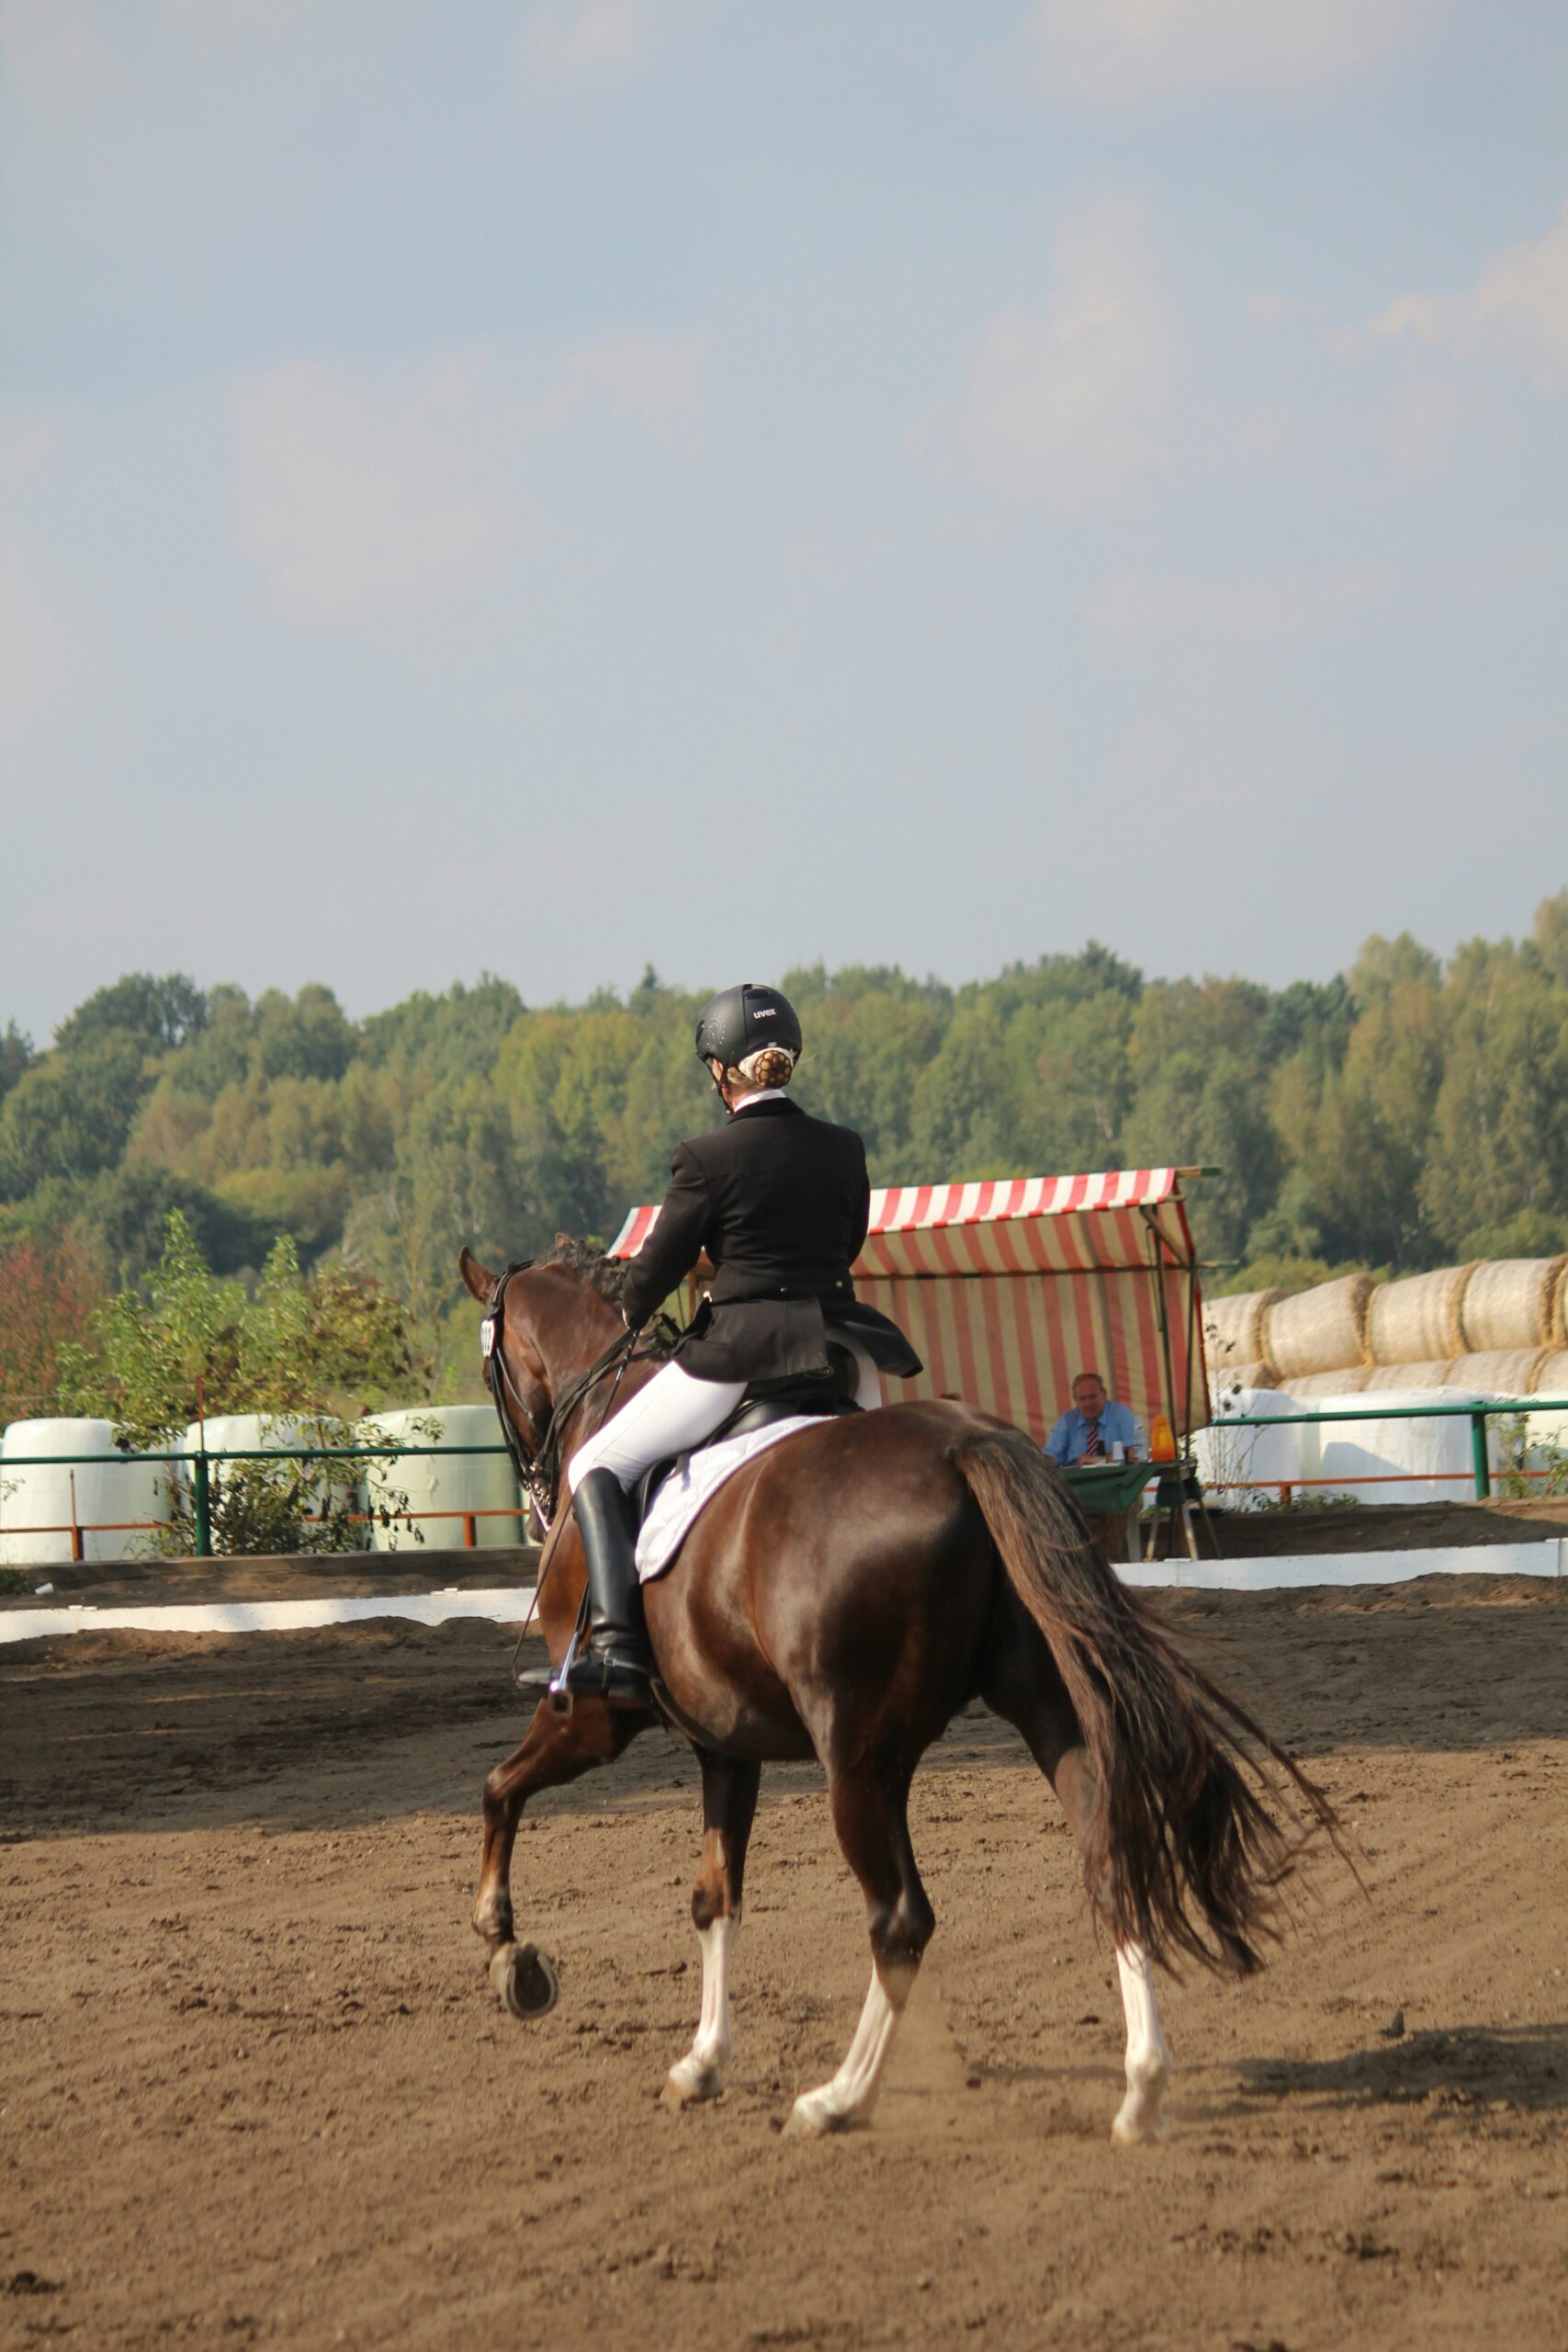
(862, 1225)
(675, 1243)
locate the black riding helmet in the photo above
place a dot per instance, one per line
(739, 1020)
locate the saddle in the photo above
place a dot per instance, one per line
(821, 1395)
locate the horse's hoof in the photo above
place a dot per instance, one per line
(689, 2086)
(1141, 2129)
(523, 1980)
(809, 2118)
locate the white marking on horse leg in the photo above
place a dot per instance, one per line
(699, 2074)
(850, 2097)
(1148, 2060)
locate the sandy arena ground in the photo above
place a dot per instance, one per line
(255, 2090)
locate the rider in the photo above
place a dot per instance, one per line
(779, 1202)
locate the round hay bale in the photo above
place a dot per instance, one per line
(1349, 1381)
(1408, 1376)
(1233, 1330)
(1241, 1375)
(1319, 1329)
(1508, 1301)
(1551, 1374)
(1417, 1320)
(1506, 1372)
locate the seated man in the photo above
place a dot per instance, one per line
(1094, 1426)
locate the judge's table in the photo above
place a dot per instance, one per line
(1112, 1493)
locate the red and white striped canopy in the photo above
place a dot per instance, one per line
(1011, 1288)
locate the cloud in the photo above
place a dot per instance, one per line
(1115, 52)
(1515, 315)
(647, 379)
(1068, 410)
(362, 494)
(57, 62)
(586, 38)
(1276, 607)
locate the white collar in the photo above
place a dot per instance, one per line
(757, 1094)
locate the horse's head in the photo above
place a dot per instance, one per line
(549, 1320)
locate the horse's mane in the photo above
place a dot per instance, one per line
(606, 1275)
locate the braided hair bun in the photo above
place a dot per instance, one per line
(771, 1066)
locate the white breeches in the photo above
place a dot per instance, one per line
(673, 1414)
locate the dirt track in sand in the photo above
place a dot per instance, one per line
(255, 2089)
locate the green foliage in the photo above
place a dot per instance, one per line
(156, 1014)
(15, 1057)
(1400, 1115)
(311, 1357)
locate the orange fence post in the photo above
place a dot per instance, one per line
(470, 1533)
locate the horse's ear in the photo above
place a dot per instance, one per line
(479, 1278)
(563, 1241)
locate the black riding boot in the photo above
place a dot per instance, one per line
(616, 1661)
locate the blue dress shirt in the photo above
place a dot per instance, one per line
(1118, 1426)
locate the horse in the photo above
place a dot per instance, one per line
(844, 1595)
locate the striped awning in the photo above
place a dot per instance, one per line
(1009, 1289)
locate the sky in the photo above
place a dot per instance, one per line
(554, 488)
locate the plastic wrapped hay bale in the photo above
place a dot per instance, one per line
(1498, 1372)
(330, 1485)
(1319, 1329)
(1416, 1461)
(1349, 1381)
(1422, 1376)
(1508, 1303)
(1419, 1319)
(1232, 1334)
(99, 1500)
(1240, 1466)
(441, 1489)
(1546, 1429)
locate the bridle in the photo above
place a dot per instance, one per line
(537, 1461)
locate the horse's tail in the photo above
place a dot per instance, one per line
(1182, 1855)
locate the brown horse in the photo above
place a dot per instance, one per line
(844, 1595)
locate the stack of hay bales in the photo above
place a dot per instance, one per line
(1233, 1340)
(1319, 1330)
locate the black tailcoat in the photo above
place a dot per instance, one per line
(779, 1202)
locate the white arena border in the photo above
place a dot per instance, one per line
(504, 1605)
(509, 1604)
(1548, 1559)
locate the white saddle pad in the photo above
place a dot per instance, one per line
(696, 1481)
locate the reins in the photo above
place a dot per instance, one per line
(539, 1472)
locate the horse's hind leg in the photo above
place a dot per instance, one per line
(729, 1803)
(555, 1749)
(872, 1826)
(1023, 1687)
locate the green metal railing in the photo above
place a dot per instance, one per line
(1477, 1414)
(198, 1461)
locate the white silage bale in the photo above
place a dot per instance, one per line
(484, 1484)
(110, 1490)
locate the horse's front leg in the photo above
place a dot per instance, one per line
(556, 1748)
(729, 1803)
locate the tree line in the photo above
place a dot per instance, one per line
(1398, 1117)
